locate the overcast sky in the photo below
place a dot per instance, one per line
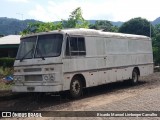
(54, 10)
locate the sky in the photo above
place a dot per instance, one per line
(55, 10)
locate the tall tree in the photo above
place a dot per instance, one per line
(156, 49)
(137, 26)
(157, 28)
(75, 20)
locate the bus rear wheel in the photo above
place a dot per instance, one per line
(135, 77)
(76, 87)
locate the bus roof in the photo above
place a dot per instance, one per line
(91, 32)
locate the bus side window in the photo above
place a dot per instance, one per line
(74, 46)
(81, 46)
(77, 47)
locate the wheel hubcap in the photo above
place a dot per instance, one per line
(76, 86)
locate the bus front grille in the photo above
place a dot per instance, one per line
(33, 78)
(32, 70)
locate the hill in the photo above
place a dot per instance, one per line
(14, 26)
(156, 21)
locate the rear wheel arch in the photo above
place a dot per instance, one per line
(137, 69)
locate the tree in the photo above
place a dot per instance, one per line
(157, 29)
(156, 49)
(137, 26)
(75, 20)
(104, 25)
(41, 27)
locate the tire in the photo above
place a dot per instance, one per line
(135, 77)
(76, 88)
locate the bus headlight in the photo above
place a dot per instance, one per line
(18, 78)
(52, 77)
(15, 78)
(46, 77)
(49, 77)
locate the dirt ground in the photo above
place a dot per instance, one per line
(111, 97)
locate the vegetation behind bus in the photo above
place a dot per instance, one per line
(6, 69)
(137, 26)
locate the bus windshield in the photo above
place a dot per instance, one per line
(40, 46)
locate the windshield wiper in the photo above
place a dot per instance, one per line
(39, 51)
(26, 54)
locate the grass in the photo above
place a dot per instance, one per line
(3, 73)
(5, 86)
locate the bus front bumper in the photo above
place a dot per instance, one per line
(18, 88)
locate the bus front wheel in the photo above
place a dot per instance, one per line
(76, 87)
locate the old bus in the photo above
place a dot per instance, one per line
(74, 59)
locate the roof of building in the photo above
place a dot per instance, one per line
(10, 39)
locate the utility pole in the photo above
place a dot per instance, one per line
(21, 19)
(150, 29)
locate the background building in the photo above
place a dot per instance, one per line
(9, 46)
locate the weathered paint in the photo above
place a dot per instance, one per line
(110, 57)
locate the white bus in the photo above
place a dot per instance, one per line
(74, 59)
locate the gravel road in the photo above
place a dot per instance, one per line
(111, 97)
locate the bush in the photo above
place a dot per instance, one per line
(7, 62)
(5, 72)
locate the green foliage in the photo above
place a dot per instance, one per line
(156, 44)
(6, 66)
(6, 71)
(157, 29)
(7, 62)
(9, 26)
(137, 26)
(156, 49)
(75, 20)
(115, 29)
(104, 25)
(4, 86)
(41, 27)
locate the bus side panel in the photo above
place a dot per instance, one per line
(109, 60)
(146, 70)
